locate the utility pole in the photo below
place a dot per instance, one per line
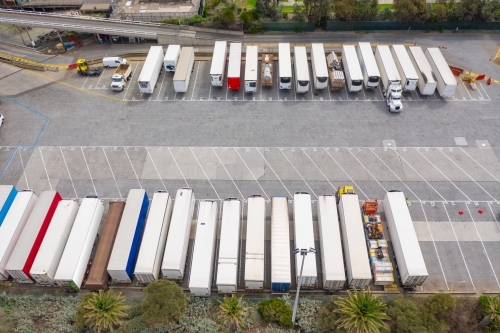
(303, 253)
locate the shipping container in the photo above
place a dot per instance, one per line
(151, 70)
(171, 57)
(128, 238)
(332, 260)
(218, 67)
(184, 70)
(427, 81)
(446, 81)
(409, 77)
(202, 263)
(31, 238)
(174, 257)
(75, 262)
(50, 252)
(357, 264)
(410, 262)
(251, 68)
(154, 238)
(13, 225)
(302, 78)
(234, 66)
(281, 271)
(7, 195)
(98, 277)
(387, 67)
(229, 244)
(254, 252)
(304, 239)
(285, 66)
(352, 69)
(371, 74)
(318, 63)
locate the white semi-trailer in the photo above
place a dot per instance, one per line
(371, 74)
(184, 70)
(284, 66)
(427, 81)
(409, 259)
(318, 62)
(409, 77)
(391, 81)
(352, 69)
(251, 68)
(446, 82)
(218, 66)
(281, 270)
(151, 70)
(254, 252)
(302, 79)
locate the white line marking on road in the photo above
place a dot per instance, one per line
(161, 85)
(67, 169)
(293, 166)
(317, 167)
(494, 216)
(210, 92)
(133, 169)
(363, 92)
(84, 83)
(463, 84)
(352, 180)
(24, 170)
(484, 248)
(204, 172)
(242, 197)
(485, 91)
(291, 196)
(459, 247)
(46, 172)
(130, 82)
(444, 175)
(100, 77)
(367, 170)
(88, 169)
(156, 169)
(112, 173)
(195, 79)
(479, 164)
(251, 172)
(346, 88)
(467, 175)
(227, 90)
(178, 167)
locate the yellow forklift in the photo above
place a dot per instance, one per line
(348, 189)
(83, 68)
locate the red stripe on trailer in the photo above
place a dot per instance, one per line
(233, 83)
(41, 235)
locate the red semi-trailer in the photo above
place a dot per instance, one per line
(234, 67)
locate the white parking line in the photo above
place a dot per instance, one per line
(131, 80)
(479, 164)
(293, 166)
(291, 196)
(88, 169)
(195, 79)
(340, 166)
(463, 84)
(24, 170)
(494, 216)
(251, 173)
(459, 247)
(349, 150)
(100, 77)
(242, 197)
(133, 169)
(67, 169)
(154, 164)
(161, 85)
(204, 172)
(485, 91)
(178, 167)
(317, 167)
(84, 83)
(43, 162)
(112, 173)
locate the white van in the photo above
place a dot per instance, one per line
(109, 62)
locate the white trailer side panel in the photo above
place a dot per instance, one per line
(404, 240)
(318, 62)
(218, 66)
(50, 252)
(427, 82)
(174, 257)
(281, 271)
(254, 253)
(332, 259)
(284, 66)
(184, 70)
(151, 70)
(200, 279)
(352, 69)
(302, 78)
(251, 68)
(353, 241)
(13, 225)
(75, 258)
(154, 238)
(446, 82)
(171, 57)
(409, 77)
(227, 267)
(388, 70)
(304, 239)
(371, 74)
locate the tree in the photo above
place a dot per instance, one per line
(439, 304)
(344, 9)
(361, 312)
(385, 14)
(411, 10)
(406, 316)
(317, 10)
(299, 14)
(165, 302)
(493, 310)
(491, 10)
(266, 8)
(276, 311)
(104, 310)
(438, 13)
(365, 10)
(232, 311)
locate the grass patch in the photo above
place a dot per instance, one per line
(251, 3)
(287, 9)
(386, 5)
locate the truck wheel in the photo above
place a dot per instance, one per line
(107, 67)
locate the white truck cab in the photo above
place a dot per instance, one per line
(394, 98)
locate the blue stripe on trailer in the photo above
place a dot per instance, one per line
(139, 229)
(8, 202)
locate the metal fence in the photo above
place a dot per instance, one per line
(288, 26)
(387, 25)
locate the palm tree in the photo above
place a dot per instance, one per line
(361, 312)
(493, 309)
(104, 310)
(232, 311)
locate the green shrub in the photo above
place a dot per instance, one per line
(165, 302)
(256, 29)
(276, 311)
(307, 315)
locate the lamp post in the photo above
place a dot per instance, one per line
(303, 253)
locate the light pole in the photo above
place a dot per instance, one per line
(303, 253)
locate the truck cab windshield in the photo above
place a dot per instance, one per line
(356, 82)
(216, 77)
(117, 80)
(373, 79)
(285, 79)
(303, 83)
(322, 79)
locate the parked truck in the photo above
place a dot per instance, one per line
(151, 70)
(352, 69)
(446, 82)
(302, 79)
(319, 68)
(251, 68)
(171, 57)
(409, 77)
(218, 67)
(7, 195)
(234, 67)
(371, 74)
(304, 239)
(337, 79)
(266, 70)
(284, 66)
(427, 81)
(391, 81)
(254, 252)
(184, 69)
(281, 271)
(409, 259)
(121, 76)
